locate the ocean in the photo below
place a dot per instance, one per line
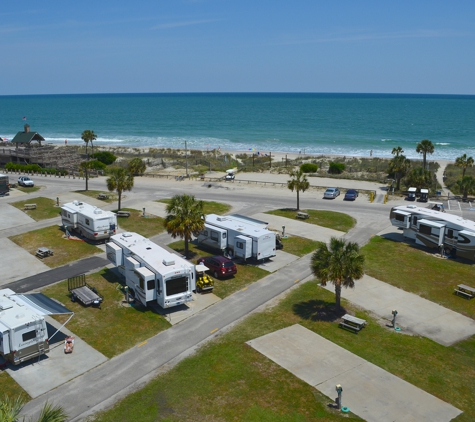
(344, 124)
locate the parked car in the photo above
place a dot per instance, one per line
(25, 181)
(331, 193)
(351, 195)
(219, 266)
(229, 176)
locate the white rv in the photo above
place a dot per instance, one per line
(245, 239)
(89, 221)
(153, 273)
(436, 229)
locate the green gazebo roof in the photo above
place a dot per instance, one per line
(27, 138)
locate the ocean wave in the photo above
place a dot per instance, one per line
(442, 143)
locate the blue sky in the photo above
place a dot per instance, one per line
(237, 46)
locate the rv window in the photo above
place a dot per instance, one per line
(214, 236)
(176, 286)
(399, 217)
(425, 229)
(150, 284)
(65, 213)
(87, 221)
(450, 233)
(414, 220)
(142, 283)
(224, 235)
(29, 335)
(205, 233)
(240, 245)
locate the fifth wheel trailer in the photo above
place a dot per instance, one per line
(436, 229)
(246, 239)
(153, 273)
(89, 221)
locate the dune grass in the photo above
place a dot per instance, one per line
(329, 219)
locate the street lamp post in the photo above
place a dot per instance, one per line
(186, 159)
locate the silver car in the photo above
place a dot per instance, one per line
(25, 181)
(331, 193)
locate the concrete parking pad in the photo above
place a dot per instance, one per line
(298, 228)
(415, 314)
(369, 391)
(56, 368)
(11, 216)
(277, 262)
(18, 263)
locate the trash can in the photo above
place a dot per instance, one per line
(438, 193)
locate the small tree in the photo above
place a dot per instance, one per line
(340, 263)
(184, 218)
(10, 411)
(299, 183)
(120, 180)
(336, 168)
(418, 178)
(137, 166)
(88, 136)
(105, 157)
(425, 147)
(466, 186)
(399, 166)
(463, 161)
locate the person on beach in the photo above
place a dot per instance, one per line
(371, 153)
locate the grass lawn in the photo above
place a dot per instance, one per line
(210, 207)
(237, 383)
(299, 246)
(246, 274)
(28, 190)
(407, 267)
(147, 227)
(100, 327)
(9, 387)
(45, 208)
(52, 238)
(330, 219)
(112, 197)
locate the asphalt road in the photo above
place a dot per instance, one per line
(104, 385)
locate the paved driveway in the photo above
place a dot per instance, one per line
(369, 391)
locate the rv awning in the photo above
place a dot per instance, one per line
(41, 304)
(431, 224)
(402, 212)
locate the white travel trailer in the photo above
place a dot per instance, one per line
(436, 229)
(89, 221)
(245, 239)
(23, 330)
(153, 273)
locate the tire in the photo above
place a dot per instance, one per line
(198, 289)
(215, 274)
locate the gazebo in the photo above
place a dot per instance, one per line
(26, 137)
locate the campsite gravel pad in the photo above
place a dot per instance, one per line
(369, 391)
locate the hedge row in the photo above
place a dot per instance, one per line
(33, 168)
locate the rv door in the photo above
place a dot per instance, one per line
(242, 247)
(5, 342)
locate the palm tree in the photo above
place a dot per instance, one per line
(340, 264)
(397, 150)
(299, 183)
(120, 180)
(88, 136)
(464, 162)
(184, 218)
(425, 147)
(10, 411)
(467, 186)
(399, 165)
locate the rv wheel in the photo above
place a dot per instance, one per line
(215, 274)
(198, 289)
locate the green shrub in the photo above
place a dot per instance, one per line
(309, 167)
(105, 157)
(336, 168)
(33, 168)
(137, 166)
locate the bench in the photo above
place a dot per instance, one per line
(465, 291)
(352, 323)
(29, 206)
(123, 214)
(302, 215)
(102, 196)
(44, 252)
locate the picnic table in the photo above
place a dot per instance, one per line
(465, 291)
(302, 215)
(102, 196)
(352, 323)
(44, 252)
(123, 213)
(29, 206)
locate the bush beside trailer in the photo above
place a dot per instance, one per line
(154, 274)
(246, 239)
(436, 229)
(89, 221)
